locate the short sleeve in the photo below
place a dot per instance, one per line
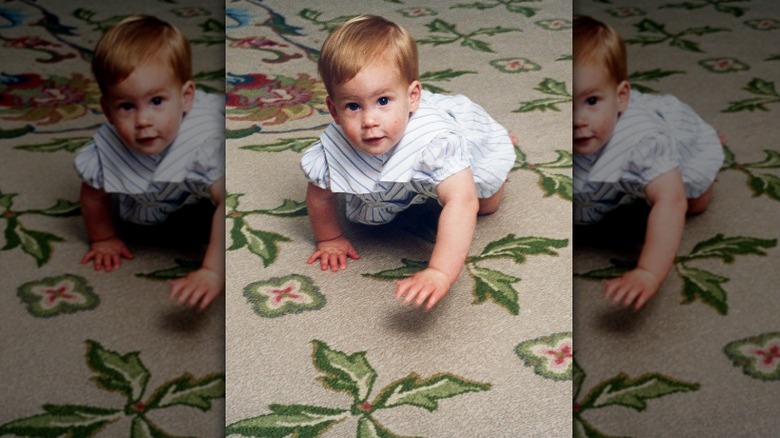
(443, 157)
(208, 165)
(315, 166)
(88, 166)
(653, 156)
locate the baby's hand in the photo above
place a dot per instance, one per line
(333, 254)
(636, 286)
(428, 284)
(201, 286)
(107, 254)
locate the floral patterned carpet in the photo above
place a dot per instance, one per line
(703, 357)
(312, 353)
(87, 353)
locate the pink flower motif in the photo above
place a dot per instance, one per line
(759, 356)
(33, 98)
(255, 43)
(551, 356)
(768, 357)
(273, 100)
(54, 296)
(280, 296)
(29, 43)
(417, 12)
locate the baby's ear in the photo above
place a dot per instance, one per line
(623, 95)
(332, 109)
(188, 95)
(415, 94)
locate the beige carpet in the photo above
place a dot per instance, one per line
(313, 353)
(703, 357)
(87, 353)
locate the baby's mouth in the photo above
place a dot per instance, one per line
(373, 140)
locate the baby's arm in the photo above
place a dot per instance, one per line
(208, 282)
(458, 196)
(106, 249)
(662, 240)
(333, 248)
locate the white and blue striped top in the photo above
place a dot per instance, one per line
(653, 136)
(444, 136)
(150, 187)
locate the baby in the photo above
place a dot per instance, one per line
(393, 145)
(162, 148)
(629, 146)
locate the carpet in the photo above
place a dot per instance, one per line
(86, 353)
(312, 353)
(703, 357)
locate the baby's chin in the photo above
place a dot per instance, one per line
(586, 146)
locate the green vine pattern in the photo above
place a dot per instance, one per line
(468, 40)
(37, 244)
(490, 284)
(761, 184)
(556, 89)
(551, 183)
(264, 244)
(699, 283)
(620, 390)
(660, 35)
(127, 375)
(353, 375)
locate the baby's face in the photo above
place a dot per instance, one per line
(373, 108)
(147, 107)
(598, 102)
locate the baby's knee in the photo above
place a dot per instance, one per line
(486, 209)
(699, 205)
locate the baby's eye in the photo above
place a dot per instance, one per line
(353, 106)
(383, 101)
(125, 106)
(591, 100)
(157, 100)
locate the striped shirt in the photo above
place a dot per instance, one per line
(150, 187)
(444, 136)
(653, 136)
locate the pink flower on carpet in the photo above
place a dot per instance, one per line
(280, 296)
(53, 296)
(764, 24)
(192, 11)
(255, 43)
(417, 12)
(723, 65)
(626, 12)
(259, 98)
(759, 356)
(515, 65)
(33, 98)
(555, 24)
(551, 356)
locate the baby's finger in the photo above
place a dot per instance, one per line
(422, 296)
(314, 257)
(353, 254)
(342, 258)
(87, 257)
(124, 252)
(195, 296)
(433, 300)
(629, 297)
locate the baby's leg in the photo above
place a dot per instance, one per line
(490, 205)
(699, 205)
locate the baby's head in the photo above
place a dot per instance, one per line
(369, 67)
(143, 67)
(601, 88)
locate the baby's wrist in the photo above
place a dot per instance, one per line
(330, 239)
(442, 274)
